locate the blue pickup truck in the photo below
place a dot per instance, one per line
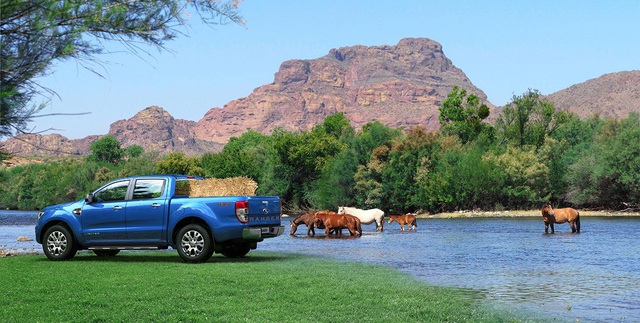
(144, 212)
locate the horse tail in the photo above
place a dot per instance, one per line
(578, 222)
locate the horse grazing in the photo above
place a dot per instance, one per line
(336, 222)
(365, 216)
(306, 219)
(408, 219)
(551, 216)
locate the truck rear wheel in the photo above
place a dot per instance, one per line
(195, 244)
(235, 250)
(59, 243)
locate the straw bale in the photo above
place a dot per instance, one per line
(232, 186)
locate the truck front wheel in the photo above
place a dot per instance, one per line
(195, 244)
(59, 244)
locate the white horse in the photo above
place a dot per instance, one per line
(365, 216)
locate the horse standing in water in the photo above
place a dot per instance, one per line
(306, 219)
(334, 222)
(408, 219)
(365, 216)
(551, 216)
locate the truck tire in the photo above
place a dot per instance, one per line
(106, 253)
(194, 243)
(59, 244)
(235, 250)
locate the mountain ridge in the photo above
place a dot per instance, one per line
(399, 85)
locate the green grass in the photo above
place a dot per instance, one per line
(157, 286)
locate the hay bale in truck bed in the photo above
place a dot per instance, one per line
(232, 186)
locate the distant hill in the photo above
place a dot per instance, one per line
(401, 86)
(612, 95)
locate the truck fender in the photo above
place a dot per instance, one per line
(190, 213)
(64, 218)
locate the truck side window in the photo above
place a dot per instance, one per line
(114, 192)
(148, 189)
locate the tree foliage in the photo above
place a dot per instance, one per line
(36, 34)
(583, 163)
(528, 119)
(463, 115)
(106, 149)
(178, 163)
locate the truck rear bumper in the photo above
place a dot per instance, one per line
(258, 233)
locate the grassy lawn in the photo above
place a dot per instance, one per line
(157, 286)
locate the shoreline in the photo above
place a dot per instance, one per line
(501, 214)
(519, 213)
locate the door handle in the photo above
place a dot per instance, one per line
(155, 205)
(117, 207)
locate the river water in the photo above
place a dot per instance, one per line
(591, 276)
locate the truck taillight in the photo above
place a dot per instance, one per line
(242, 211)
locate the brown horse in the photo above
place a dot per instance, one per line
(306, 219)
(408, 219)
(551, 216)
(334, 222)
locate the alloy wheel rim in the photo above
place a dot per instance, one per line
(192, 243)
(57, 243)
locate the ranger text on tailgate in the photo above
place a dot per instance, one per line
(144, 212)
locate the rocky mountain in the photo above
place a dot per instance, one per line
(47, 145)
(155, 129)
(400, 86)
(152, 128)
(612, 95)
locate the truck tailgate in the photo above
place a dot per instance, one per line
(264, 210)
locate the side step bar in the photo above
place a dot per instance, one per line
(125, 248)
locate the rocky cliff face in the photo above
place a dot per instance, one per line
(400, 86)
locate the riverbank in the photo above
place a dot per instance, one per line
(519, 213)
(274, 291)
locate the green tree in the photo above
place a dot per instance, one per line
(527, 182)
(399, 175)
(178, 163)
(335, 185)
(463, 117)
(528, 119)
(145, 164)
(335, 125)
(457, 177)
(369, 191)
(106, 149)
(373, 135)
(570, 143)
(134, 151)
(241, 156)
(300, 158)
(37, 34)
(609, 174)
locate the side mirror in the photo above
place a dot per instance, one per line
(88, 199)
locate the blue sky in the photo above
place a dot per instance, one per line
(504, 47)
